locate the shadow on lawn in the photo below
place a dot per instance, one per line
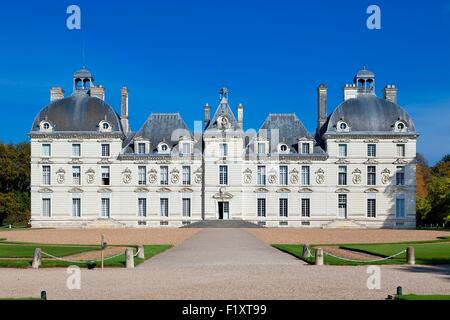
(442, 269)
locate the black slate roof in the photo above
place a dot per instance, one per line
(78, 113)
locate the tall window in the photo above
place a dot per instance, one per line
(186, 148)
(76, 150)
(76, 207)
(261, 148)
(306, 208)
(141, 148)
(105, 176)
(142, 207)
(46, 176)
(164, 207)
(371, 150)
(46, 150)
(46, 207)
(400, 208)
(401, 150)
(342, 150)
(284, 208)
(106, 152)
(142, 175)
(262, 175)
(400, 176)
(342, 176)
(164, 175)
(306, 181)
(105, 208)
(261, 207)
(186, 175)
(283, 175)
(224, 150)
(186, 207)
(371, 208)
(342, 206)
(305, 148)
(371, 175)
(76, 175)
(223, 175)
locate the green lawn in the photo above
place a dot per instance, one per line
(433, 252)
(414, 297)
(20, 255)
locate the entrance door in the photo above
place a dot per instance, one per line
(224, 210)
(342, 206)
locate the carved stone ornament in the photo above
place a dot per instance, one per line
(357, 176)
(294, 176)
(248, 176)
(385, 176)
(60, 176)
(272, 177)
(153, 176)
(126, 176)
(90, 176)
(223, 195)
(198, 176)
(320, 176)
(175, 176)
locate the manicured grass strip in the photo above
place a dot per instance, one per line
(414, 297)
(27, 251)
(297, 250)
(426, 253)
(11, 263)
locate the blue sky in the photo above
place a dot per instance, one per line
(175, 55)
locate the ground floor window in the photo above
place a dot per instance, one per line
(284, 208)
(371, 208)
(46, 207)
(186, 207)
(164, 207)
(142, 207)
(76, 207)
(306, 208)
(262, 207)
(400, 208)
(105, 208)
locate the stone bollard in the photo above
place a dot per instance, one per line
(129, 256)
(37, 258)
(306, 251)
(411, 256)
(141, 253)
(319, 257)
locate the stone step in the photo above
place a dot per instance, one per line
(344, 224)
(225, 224)
(104, 224)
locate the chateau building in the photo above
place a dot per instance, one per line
(89, 169)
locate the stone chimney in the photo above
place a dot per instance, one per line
(56, 93)
(98, 92)
(240, 112)
(390, 93)
(322, 93)
(124, 110)
(207, 114)
(350, 91)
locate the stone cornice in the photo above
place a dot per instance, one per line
(77, 135)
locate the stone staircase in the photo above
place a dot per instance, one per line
(225, 224)
(104, 224)
(344, 224)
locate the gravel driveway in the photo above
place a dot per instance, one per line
(230, 264)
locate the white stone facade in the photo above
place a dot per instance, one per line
(110, 176)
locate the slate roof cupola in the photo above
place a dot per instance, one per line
(365, 81)
(82, 81)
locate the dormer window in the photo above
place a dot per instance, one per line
(45, 126)
(105, 126)
(186, 148)
(305, 148)
(261, 148)
(283, 148)
(400, 126)
(342, 126)
(163, 148)
(141, 148)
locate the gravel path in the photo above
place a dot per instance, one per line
(333, 236)
(231, 264)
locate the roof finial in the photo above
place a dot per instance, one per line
(223, 94)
